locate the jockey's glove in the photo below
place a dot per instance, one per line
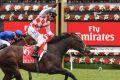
(24, 35)
(16, 39)
(11, 43)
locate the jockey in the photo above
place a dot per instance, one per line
(6, 36)
(42, 20)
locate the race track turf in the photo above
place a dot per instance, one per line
(81, 74)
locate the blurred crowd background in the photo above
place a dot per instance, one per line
(18, 1)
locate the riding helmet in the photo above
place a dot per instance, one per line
(53, 14)
(19, 32)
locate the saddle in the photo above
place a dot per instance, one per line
(28, 51)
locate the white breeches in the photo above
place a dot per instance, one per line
(36, 35)
(4, 42)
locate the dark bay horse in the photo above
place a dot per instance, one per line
(27, 39)
(24, 40)
(51, 62)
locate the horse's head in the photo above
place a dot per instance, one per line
(28, 39)
(78, 44)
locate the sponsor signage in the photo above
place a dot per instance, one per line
(97, 33)
(12, 26)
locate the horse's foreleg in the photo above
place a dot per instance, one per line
(12, 69)
(17, 74)
(66, 77)
(30, 75)
(68, 74)
(7, 74)
(8, 77)
(63, 72)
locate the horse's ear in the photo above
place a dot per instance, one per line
(71, 33)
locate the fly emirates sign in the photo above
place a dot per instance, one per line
(97, 33)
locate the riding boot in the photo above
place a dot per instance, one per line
(35, 53)
(3, 46)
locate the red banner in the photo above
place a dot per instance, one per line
(12, 26)
(97, 33)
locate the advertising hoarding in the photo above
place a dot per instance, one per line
(97, 33)
(12, 26)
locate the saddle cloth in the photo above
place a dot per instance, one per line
(28, 51)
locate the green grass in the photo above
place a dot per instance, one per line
(81, 74)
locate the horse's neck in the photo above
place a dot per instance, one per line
(62, 47)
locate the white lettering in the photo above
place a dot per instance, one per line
(97, 37)
(94, 29)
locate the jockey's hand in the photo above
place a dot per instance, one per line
(11, 41)
(53, 6)
(24, 35)
(16, 39)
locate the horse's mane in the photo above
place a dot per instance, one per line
(60, 37)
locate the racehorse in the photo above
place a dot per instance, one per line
(25, 40)
(51, 62)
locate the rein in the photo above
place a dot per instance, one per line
(24, 40)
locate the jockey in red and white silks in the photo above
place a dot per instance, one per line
(42, 20)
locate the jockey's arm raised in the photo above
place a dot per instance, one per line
(46, 11)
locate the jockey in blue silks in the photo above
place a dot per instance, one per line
(6, 36)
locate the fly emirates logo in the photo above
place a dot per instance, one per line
(95, 35)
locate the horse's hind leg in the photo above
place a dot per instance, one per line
(11, 70)
(17, 74)
(8, 77)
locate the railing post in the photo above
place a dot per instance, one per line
(57, 19)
